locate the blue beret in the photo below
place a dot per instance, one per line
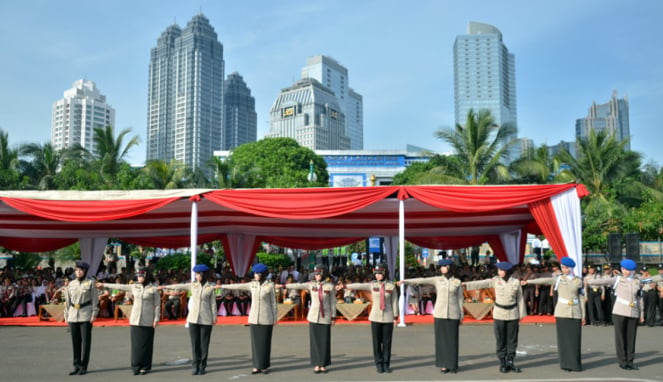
(628, 264)
(568, 262)
(199, 268)
(504, 265)
(259, 268)
(82, 265)
(445, 262)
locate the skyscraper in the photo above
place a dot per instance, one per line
(484, 75)
(611, 116)
(240, 118)
(185, 94)
(75, 116)
(334, 76)
(309, 112)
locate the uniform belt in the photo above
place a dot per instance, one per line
(573, 301)
(507, 307)
(81, 305)
(626, 302)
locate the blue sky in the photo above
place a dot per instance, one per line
(399, 55)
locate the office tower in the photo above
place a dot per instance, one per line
(484, 75)
(309, 112)
(611, 116)
(74, 117)
(334, 76)
(240, 118)
(185, 94)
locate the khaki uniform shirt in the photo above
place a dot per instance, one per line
(449, 302)
(570, 303)
(628, 302)
(80, 293)
(202, 303)
(390, 311)
(328, 300)
(264, 310)
(146, 309)
(507, 293)
(594, 288)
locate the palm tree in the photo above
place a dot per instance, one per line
(109, 151)
(536, 165)
(480, 147)
(9, 164)
(166, 175)
(223, 171)
(43, 165)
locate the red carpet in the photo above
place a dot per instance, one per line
(238, 320)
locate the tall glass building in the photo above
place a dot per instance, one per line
(240, 118)
(334, 76)
(484, 75)
(611, 116)
(185, 94)
(75, 116)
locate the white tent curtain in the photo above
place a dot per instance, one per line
(194, 237)
(92, 252)
(567, 211)
(511, 243)
(241, 246)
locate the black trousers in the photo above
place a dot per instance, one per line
(446, 343)
(261, 345)
(625, 331)
(200, 337)
(649, 302)
(382, 334)
(81, 341)
(320, 343)
(506, 337)
(595, 307)
(545, 300)
(569, 342)
(142, 347)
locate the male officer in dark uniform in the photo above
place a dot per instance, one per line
(81, 307)
(594, 296)
(648, 297)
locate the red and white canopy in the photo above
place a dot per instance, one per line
(308, 218)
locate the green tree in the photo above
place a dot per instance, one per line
(166, 175)
(42, 164)
(276, 163)
(480, 147)
(537, 166)
(109, 151)
(223, 171)
(10, 177)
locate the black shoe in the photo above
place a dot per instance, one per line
(624, 367)
(387, 369)
(265, 371)
(380, 369)
(82, 371)
(142, 372)
(567, 370)
(195, 372)
(75, 371)
(444, 371)
(503, 367)
(255, 371)
(202, 372)
(631, 366)
(511, 366)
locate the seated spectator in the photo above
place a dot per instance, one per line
(172, 305)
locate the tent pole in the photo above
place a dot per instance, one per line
(194, 236)
(401, 261)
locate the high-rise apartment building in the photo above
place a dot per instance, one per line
(611, 116)
(334, 76)
(484, 75)
(240, 118)
(310, 113)
(185, 94)
(74, 117)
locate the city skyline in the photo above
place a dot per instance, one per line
(400, 55)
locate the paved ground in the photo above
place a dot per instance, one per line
(44, 354)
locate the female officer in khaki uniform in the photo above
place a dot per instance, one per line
(509, 309)
(384, 310)
(320, 317)
(262, 318)
(145, 315)
(201, 317)
(626, 312)
(569, 314)
(448, 315)
(81, 307)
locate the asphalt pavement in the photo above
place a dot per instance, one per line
(44, 354)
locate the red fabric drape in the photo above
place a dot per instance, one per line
(29, 244)
(86, 210)
(301, 203)
(498, 248)
(310, 243)
(227, 250)
(544, 214)
(171, 241)
(483, 198)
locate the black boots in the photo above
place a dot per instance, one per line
(511, 366)
(503, 368)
